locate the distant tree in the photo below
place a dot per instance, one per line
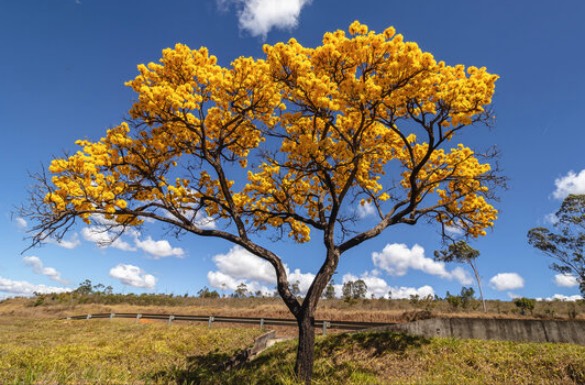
(463, 300)
(330, 290)
(347, 291)
(206, 293)
(241, 291)
(85, 288)
(296, 290)
(467, 296)
(360, 289)
(566, 244)
(352, 291)
(461, 252)
(364, 117)
(525, 304)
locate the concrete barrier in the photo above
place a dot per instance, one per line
(498, 329)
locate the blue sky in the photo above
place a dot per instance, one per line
(61, 79)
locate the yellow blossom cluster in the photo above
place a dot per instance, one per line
(328, 122)
(347, 98)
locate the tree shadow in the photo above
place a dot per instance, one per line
(377, 343)
(199, 369)
(221, 368)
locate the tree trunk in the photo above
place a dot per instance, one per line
(478, 279)
(306, 347)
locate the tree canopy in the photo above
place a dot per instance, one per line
(567, 244)
(291, 143)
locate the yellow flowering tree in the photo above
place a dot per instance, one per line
(365, 118)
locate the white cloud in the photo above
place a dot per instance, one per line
(240, 266)
(159, 249)
(199, 218)
(566, 280)
(258, 17)
(551, 218)
(104, 238)
(396, 259)
(366, 210)
(133, 276)
(70, 244)
(506, 281)
(407, 292)
(305, 280)
(39, 268)
(570, 184)
(462, 276)
(243, 265)
(454, 231)
(23, 288)
(380, 288)
(21, 223)
(560, 297)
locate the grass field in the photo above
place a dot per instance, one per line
(38, 348)
(107, 352)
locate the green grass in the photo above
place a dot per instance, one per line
(392, 358)
(108, 352)
(127, 352)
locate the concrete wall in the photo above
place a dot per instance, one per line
(499, 329)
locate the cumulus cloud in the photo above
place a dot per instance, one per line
(506, 281)
(380, 288)
(21, 223)
(240, 266)
(366, 210)
(566, 280)
(159, 249)
(133, 276)
(571, 183)
(560, 297)
(23, 288)
(258, 17)
(454, 231)
(397, 258)
(70, 243)
(39, 268)
(104, 238)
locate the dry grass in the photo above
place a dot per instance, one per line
(362, 310)
(107, 351)
(37, 348)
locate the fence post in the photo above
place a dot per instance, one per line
(88, 316)
(138, 316)
(171, 318)
(262, 323)
(112, 315)
(326, 324)
(211, 319)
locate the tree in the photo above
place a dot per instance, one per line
(567, 244)
(329, 290)
(296, 290)
(352, 290)
(461, 252)
(463, 300)
(360, 289)
(525, 304)
(347, 291)
(364, 118)
(206, 293)
(85, 288)
(241, 291)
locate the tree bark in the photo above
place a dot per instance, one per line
(306, 347)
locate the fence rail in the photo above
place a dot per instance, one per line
(262, 322)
